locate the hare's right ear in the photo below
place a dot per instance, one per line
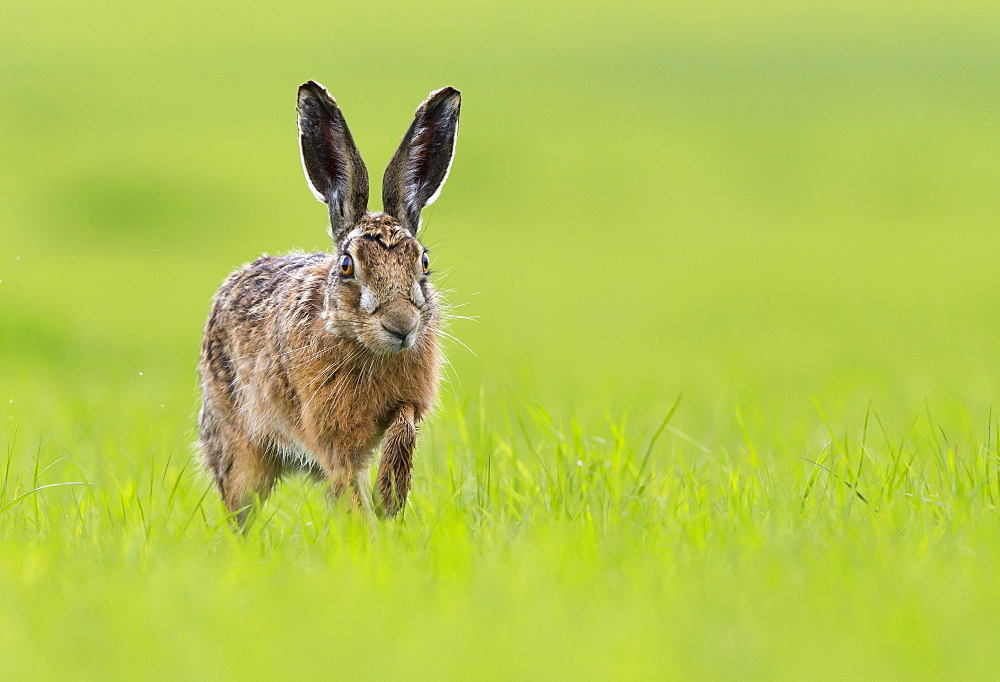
(333, 166)
(420, 166)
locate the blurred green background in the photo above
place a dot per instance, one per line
(733, 200)
(783, 210)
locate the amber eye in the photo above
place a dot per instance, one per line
(425, 263)
(346, 266)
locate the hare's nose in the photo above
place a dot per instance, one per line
(400, 336)
(400, 325)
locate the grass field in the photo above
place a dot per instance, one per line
(730, 408)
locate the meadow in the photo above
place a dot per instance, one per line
(727, 406)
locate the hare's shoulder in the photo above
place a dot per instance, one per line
(260, 282)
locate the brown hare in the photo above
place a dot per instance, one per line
(309, 361)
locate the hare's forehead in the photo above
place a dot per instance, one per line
(381, 228)
(374, 255)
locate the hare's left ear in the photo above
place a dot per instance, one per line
(419, 167)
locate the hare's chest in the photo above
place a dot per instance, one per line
(348, 403)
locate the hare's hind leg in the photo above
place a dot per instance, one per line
(244, 471)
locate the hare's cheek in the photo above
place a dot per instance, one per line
(348, 298)
(367, 302)
(417, 295)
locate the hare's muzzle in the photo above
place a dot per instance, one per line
(400, 323)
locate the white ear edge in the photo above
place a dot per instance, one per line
(451, 159)
(305, 171)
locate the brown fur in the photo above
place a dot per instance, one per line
(304, 368)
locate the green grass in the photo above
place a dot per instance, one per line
(785, 214)
(529, 547)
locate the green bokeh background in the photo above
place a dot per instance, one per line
(646, 197)
(784, 210)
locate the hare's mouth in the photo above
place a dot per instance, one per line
(396, 339)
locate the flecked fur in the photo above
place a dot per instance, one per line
(305, 368)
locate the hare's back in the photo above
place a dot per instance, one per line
(262, 285)
(256, 305)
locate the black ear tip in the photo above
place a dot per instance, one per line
(312, 89)
(450, 94)
(440, 101)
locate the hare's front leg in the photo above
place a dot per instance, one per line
(350, 475)
(355, 483)
(393, 481)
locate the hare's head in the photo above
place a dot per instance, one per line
(379, 291)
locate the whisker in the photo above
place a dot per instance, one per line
(456, 340)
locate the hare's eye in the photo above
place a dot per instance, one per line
(425, 263)
(346, 266)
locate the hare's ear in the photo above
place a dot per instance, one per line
(419, 167)
(333, 166)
